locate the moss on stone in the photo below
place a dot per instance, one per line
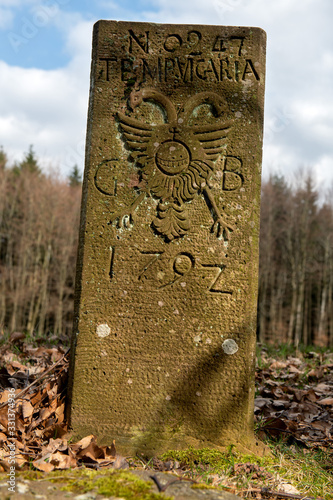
(202, 486)
(114, 483)
(216, 460)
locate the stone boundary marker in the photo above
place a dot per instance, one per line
(163, 347)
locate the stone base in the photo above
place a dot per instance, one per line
(153, 443)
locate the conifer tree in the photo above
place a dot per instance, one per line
(3, 158)
(75, 177)
(29, 163)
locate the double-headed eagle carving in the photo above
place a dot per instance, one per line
(176, 160)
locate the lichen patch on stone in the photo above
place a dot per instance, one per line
(103, 330)
(229, 346)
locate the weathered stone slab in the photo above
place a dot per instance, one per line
(164, 340)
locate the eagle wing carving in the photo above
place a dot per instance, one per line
(137, 135)
(212, 138)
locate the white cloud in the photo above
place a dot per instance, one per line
(277, 159)
(323, 169)
(44, 108)
(6, 18)
(79, 42)
(12, 3)
(8, 10)
(48, 108)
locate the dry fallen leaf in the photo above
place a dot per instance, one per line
(60, 413)
(83, 443)
(293, 369)
(320, 388)
(55, 445)
(322, 426)
(294, 361)
(62, 461)
(40, 464)
(326, 401)
(120, 463)
(16, 336)
(276, 365)
(27, 409)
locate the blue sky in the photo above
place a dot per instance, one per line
(35, 31)
(45, 48)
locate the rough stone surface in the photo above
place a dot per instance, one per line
(183, 490)
(46, 490)
(164, 341)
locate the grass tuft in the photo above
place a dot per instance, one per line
(310, 472)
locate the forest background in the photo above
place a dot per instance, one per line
(39, 225)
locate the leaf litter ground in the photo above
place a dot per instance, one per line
(293, 415)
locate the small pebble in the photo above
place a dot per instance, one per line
(86, 496)
(22, 488)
